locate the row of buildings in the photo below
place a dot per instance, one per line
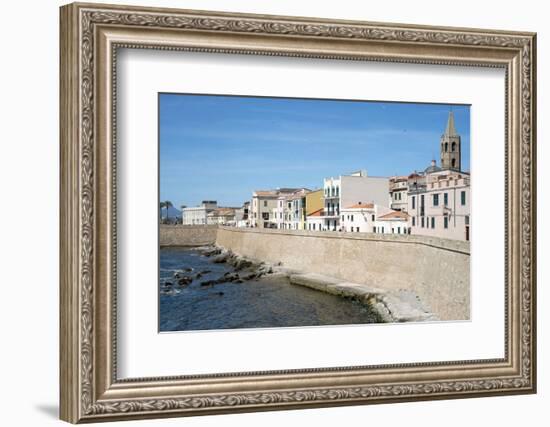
(209, 213)
(432, 202)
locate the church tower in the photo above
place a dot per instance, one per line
(450, 146)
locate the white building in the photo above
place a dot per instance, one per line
(394, 222)
(371, 218)
(348, 190)
(398, 193)
(315, 221)
(198, 215)
(225, 216)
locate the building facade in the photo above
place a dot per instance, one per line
(198, 215)
(398, 193)
(395, 222)
(441, 208)
(315, 221)
(348, 190)
(272, 208)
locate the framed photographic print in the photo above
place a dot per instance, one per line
(265, 212)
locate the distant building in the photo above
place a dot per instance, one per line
(297, 212)
(265, 204)
(358, 218)
(439, 198)
(441, 207)
(198, 215)
(348, 190)
(225, 216)
(394, 222)
(314, 201)
(399, 188)
(315, 220)
(371, 218)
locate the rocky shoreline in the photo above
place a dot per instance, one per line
(394, 306)
(243, 270)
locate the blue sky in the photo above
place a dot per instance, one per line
(224, 147)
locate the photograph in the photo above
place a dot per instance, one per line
(298, 212)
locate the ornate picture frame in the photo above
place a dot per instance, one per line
(90, 37)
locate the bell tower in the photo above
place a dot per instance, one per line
(450, 146)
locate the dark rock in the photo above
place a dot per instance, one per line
(207, 283)
(239, 281)
(167, 284)
(248, 276)
(241, 264)
(211, 252)
(221, 258)
(185, 281)
(231, 277)
(188, 269)
(177, 275)
(198, 276)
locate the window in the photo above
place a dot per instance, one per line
(436, 199)
(446, 147)
(352, 218)
(265, 203)
(422, 222)
(453, 163)
(413, 201)
(445, 222)
(453, 146)
(372, 217)
(445, 199)
(433, 222)
(462, 198)
(265, 215)
(382, 229)
(414, 222)
(398, 230)
(467, 220)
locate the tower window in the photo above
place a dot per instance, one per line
(446, 147)
(453, 146)
(453, 163)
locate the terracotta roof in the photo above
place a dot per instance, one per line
(395, 214)
(361, 206)
(318, 212)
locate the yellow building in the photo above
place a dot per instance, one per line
(314, 202)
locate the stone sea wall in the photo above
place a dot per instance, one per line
(437, 270)
(187, 235)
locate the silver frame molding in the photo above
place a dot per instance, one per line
(90, 37)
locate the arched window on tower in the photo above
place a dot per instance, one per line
(453, 146)
(446, 147)
(453, 163)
